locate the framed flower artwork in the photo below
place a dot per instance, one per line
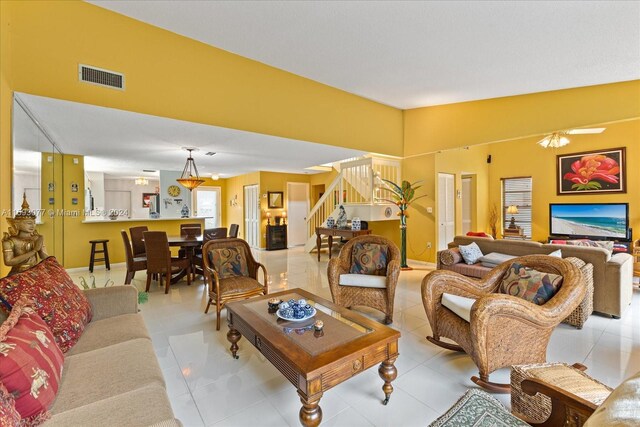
(602, 171)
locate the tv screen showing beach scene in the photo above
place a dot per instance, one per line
(608, 220)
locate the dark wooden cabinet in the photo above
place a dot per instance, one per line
(276, 237)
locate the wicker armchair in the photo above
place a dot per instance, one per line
(380, 298)
(224, 289)
(503, 330)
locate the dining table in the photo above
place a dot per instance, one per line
(189, 243)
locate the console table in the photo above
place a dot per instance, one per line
(276, 237)
(339, 232)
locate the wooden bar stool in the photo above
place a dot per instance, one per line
(104, 251)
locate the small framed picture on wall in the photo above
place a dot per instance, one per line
(590, 172)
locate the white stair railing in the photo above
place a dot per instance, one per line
(359, 182)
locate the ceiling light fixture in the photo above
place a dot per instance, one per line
(215, 176)
(142, 181)
(190, 178)
(555, 140)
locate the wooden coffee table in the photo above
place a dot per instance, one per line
(315, 361)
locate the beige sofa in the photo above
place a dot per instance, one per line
(612, 274)
(111, 377)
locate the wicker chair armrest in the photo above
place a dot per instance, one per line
(561, 400)
(212, 278)
(490, 306)
(439, 282)
(264, 275)
(393, 272)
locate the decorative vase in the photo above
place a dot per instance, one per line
(356, 224)
(331, 222)
(184, 212)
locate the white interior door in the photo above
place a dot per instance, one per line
(446, 209)
(466, 205)
(206, 204)
(252, 215)
(297, 210)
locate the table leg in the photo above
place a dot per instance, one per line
(233, 337)
(318, 243)
(310, 413)
(388, 373)
(330, 245)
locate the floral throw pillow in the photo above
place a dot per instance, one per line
(532, 285)
(471, 253)
(369, 258)
(55, 297)
(30, 362)
(229, 262)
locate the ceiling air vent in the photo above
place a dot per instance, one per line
(209, 153)
(101, 77)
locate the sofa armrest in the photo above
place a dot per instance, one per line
(112, 301)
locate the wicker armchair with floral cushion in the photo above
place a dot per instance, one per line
(500, 330)
(231, 273)
(366, 273)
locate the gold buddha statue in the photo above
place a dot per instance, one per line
(22, 245)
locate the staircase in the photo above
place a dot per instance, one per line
(358, 189)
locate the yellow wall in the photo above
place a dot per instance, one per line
(234, 191)
(526, 158)
(421, 225)
(443, 127)
(173, 76)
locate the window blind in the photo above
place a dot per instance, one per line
(517, 192)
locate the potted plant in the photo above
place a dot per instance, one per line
(403, 195)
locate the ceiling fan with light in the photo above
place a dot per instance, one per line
(559, 139)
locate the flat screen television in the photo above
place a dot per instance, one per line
(604, 221)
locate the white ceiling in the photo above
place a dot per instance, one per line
(416, 53)
(123, 143)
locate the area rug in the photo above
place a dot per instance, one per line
(478, 409)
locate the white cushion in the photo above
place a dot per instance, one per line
(363, 280)
(459, 305)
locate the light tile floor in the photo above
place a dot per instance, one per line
(209, 388)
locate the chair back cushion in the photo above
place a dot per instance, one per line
(471, 253)
(229, 262)
(369, 258)
(31, 361)
(532, 285)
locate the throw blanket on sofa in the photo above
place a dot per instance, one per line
(494, 258)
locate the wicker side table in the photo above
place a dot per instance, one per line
(585, 309)
(538, 408)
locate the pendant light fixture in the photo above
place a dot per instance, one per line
(190, 178)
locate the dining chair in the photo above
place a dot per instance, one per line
(133, 263)
(233, 230)
(185, 227)
(137, 241)
(214, 233)
(159, 260)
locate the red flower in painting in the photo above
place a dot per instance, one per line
(593, 167)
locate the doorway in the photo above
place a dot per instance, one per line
(297, 211)
(206, 204)
(252, 215)
(467, 201)
(446, 209)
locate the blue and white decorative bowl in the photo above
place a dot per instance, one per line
(295, 311)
